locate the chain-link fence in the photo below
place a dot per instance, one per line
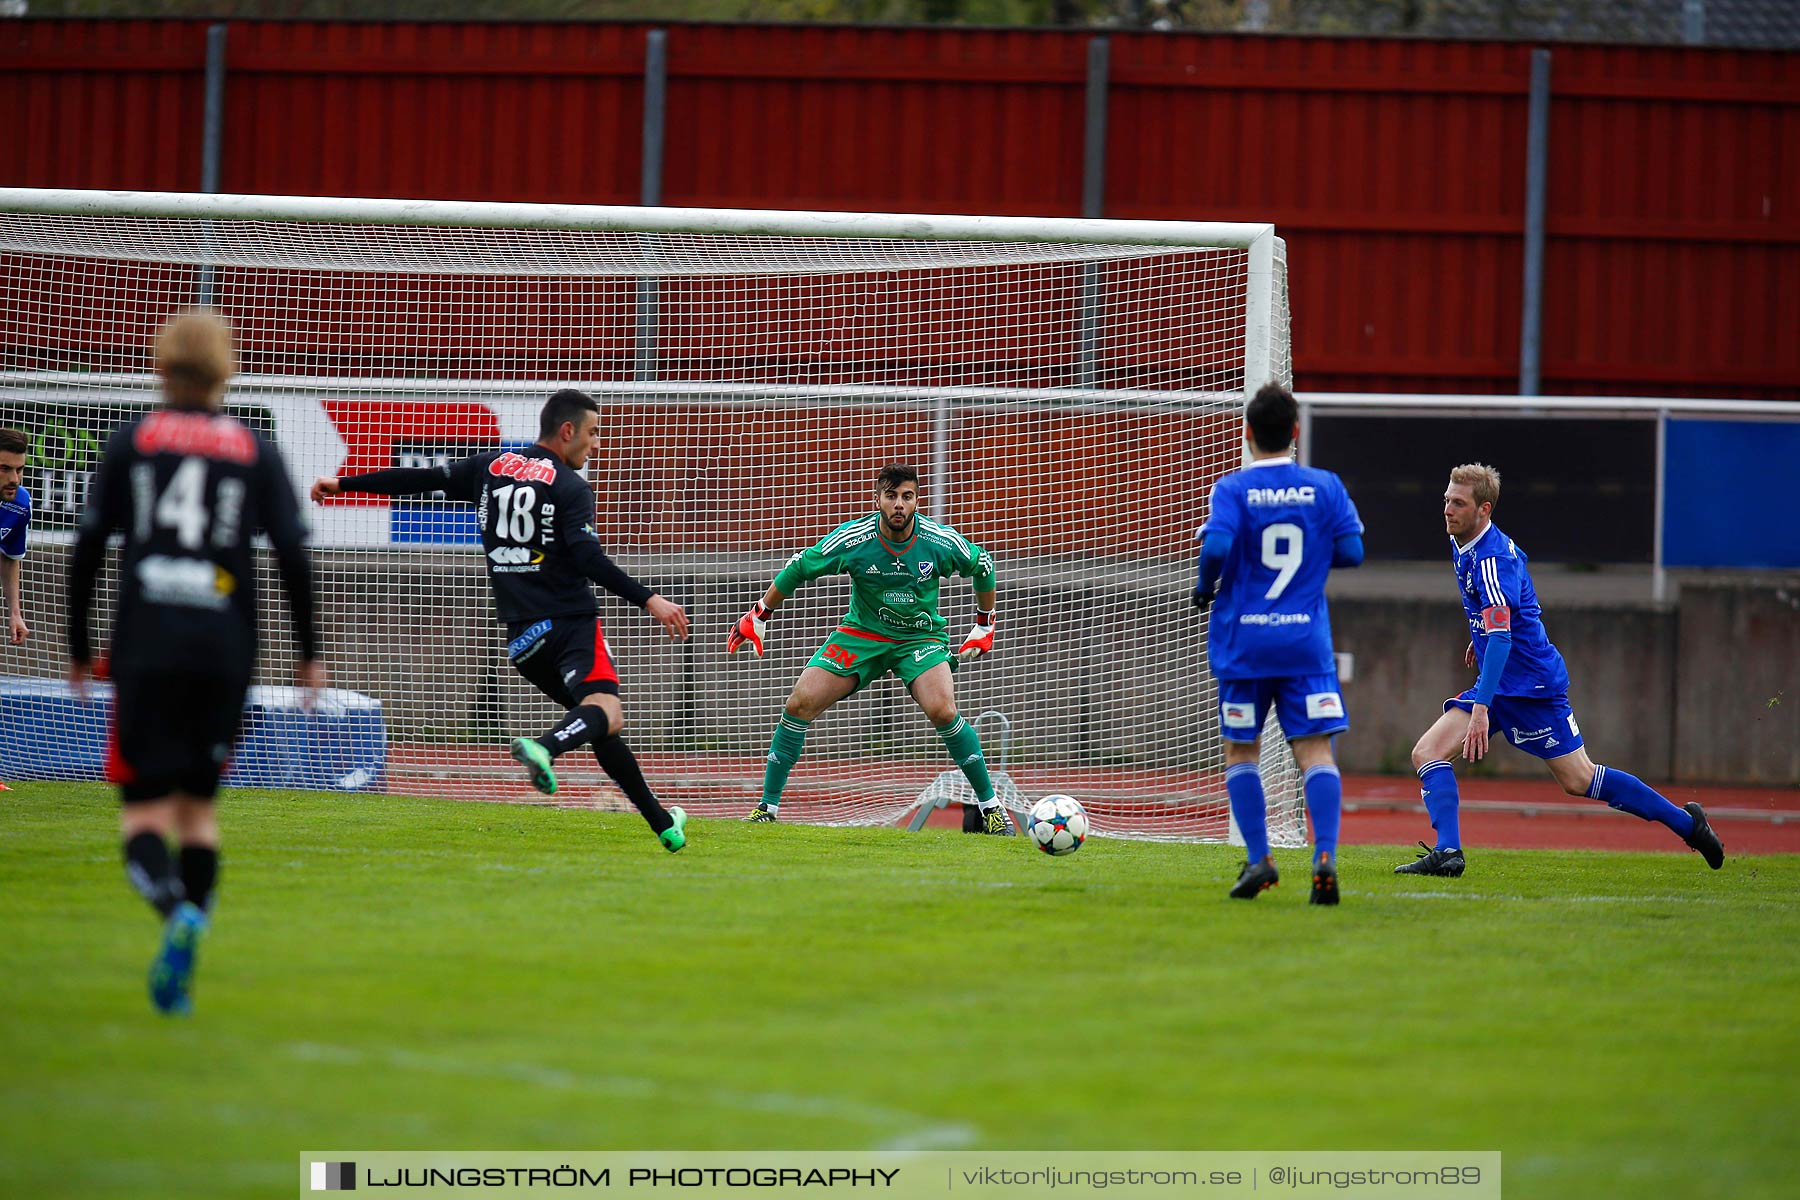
(1749, 24)
(1764, 24)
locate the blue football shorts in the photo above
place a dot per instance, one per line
(1306, 705)
(1541, 727)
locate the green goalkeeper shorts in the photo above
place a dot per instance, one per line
(866, 657)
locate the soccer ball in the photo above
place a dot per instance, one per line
(1057, 825)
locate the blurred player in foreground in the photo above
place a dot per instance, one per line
(187, 486)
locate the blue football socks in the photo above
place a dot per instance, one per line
(1437, 781)
(1324, 803)
(1243, 782)
(1628, 793)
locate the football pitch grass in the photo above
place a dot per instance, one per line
(399, 974)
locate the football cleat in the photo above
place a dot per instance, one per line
(173, 969)
(1703, 838)
(997, 821)
(1255, 879)
(972, 822)
(536, 761)
(762, 814)
(1324, 881)
(1448, 863)
(673, 838)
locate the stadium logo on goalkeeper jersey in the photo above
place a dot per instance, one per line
(1286, 495)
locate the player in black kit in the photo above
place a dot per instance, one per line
(187, 486)
(537, 532)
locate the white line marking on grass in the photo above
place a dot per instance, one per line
(932, 1137)
(919, 1132)
(1543, 899)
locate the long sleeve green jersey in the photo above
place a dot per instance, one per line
(893, 587)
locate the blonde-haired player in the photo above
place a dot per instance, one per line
(188, 487)
(1522, 690)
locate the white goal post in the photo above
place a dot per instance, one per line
(1068, 389)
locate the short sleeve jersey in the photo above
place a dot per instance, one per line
(536, 517)
(1495, 582)
(189, 490)
(15, 520)
(893, 586)
(1270, 619)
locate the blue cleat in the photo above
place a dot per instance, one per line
(173, 969)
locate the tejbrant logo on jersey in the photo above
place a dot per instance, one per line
(334, 1177)
(512, 465)
(203, 434)
(1282, 495)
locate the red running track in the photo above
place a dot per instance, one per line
(1537, 815)
(1528, 814)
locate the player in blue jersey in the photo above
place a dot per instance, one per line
(1522, 690)
(15, 519)
(1274, 531)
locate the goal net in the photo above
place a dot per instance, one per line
(1068, 391)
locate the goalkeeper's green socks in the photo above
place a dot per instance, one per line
(964, 745)
(784, 752)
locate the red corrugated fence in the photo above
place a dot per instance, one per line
(1395, 168)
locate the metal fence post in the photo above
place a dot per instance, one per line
(1659, 576)
(1093, 202)
(211, 144)
(656, 92)
(656, 95)
(1537, 170)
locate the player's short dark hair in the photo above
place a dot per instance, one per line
(893, 475)
(1271, 415)
(566, 405)
(14, 442)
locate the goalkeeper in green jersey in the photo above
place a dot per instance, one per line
(896, 560)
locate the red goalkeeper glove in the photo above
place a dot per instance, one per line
(749, 628)
(980, 638)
